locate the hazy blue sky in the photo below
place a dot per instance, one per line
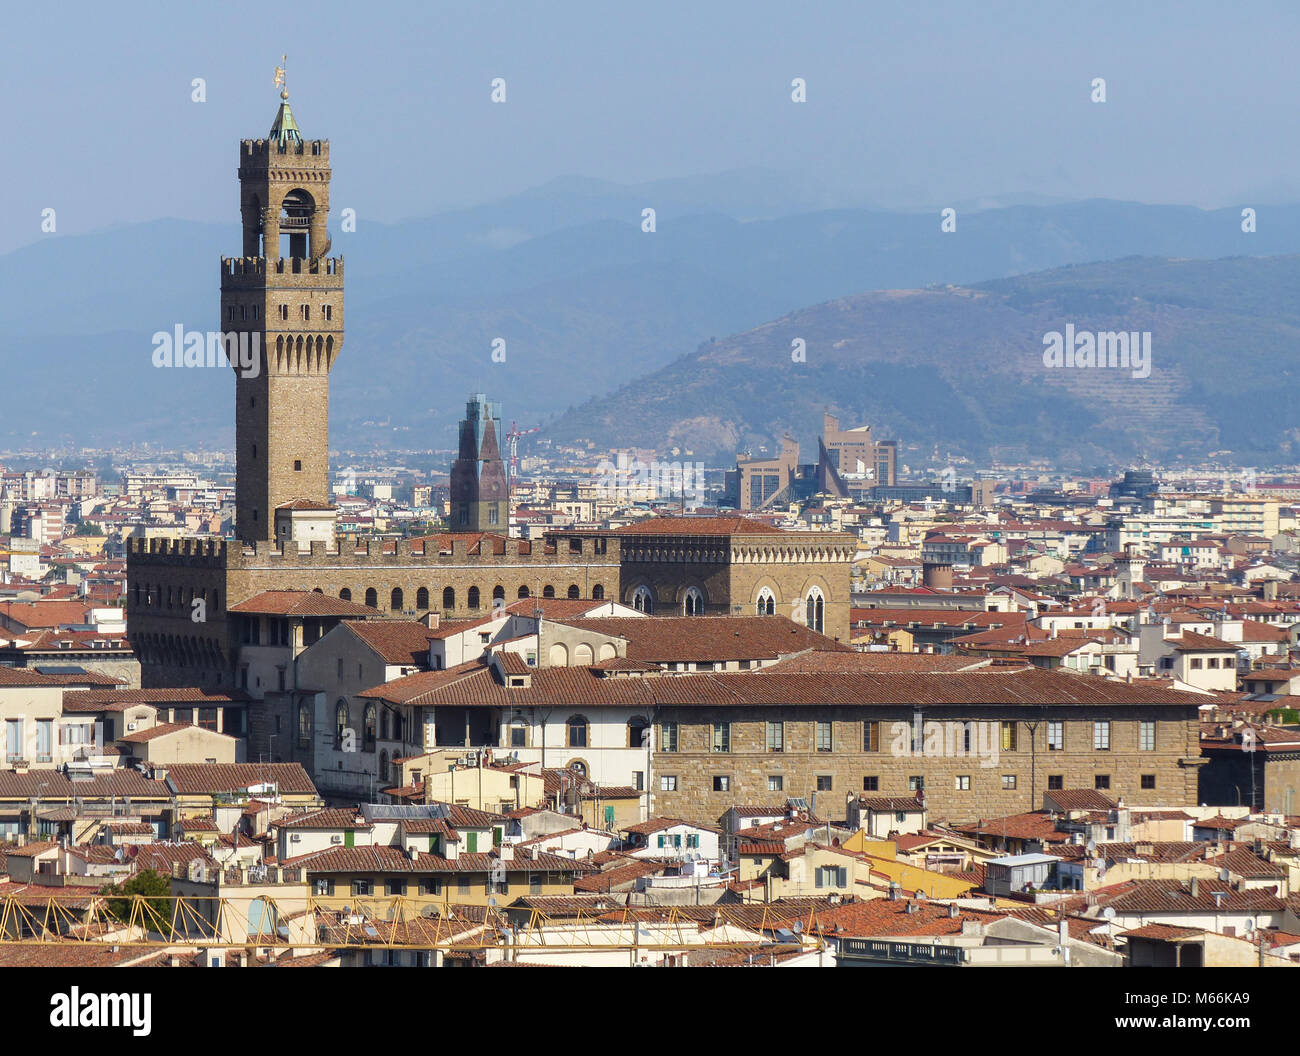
(909, 104)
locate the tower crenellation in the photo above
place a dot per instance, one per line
(285, 294)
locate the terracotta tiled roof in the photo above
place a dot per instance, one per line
(52, 784)
(300, 603)
(1163, 933)
(701, 526)
(330, 818)
(664, 639)
(208, 778)
(403, 642)
(95, 700)
(475, 685)
(1080, 799)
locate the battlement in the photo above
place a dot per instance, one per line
(455, 550)
(255, 272)
(384, 553)
(270, 149)
(209, 553)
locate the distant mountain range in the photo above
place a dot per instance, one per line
(962, 370)
(586, 302)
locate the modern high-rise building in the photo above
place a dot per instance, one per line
(479, 485)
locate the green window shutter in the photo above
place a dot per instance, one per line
(349, 839)
(471, 844)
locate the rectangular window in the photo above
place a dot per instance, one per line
(721, 783)
(776, 736)
(870, 737)
(1055, 782)
(462, 885)
(1146, 736)
(208, 716)
(668, 736)
(1055, 736)
(1101, 736)
(824, 782)
(361, 887)
(722, 736)
(1148, 781)
(1008, 736)
(1101, 782)
(395, 887)
(832, 876)
(916, 783)
(775, 783)
(323, 886)
(667, 782)
(1008, 781)
(962, 783)
(638, 780)
(44, 740)
(1196, 663)
(825, 739)
(14, 740)
(871, 783)
(534, 883)
(431, 886)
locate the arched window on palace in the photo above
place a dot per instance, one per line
(304, 726)
(643, 600)
(574, 592)
(693, 602)
(372, 597)
(345, 594)
(340, 724)
(816, 609)
(448, 599)
(471, 599)
(371, 714)
(766, 602)
(396, 600)
(548, 591)
(636, 731)
(577, 731)
(422, 599)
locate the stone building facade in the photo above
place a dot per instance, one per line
(181, 643)
(735, 565)
(843, 751)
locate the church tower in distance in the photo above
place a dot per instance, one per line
(479, 487)
(284, 299)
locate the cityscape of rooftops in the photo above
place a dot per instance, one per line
(802, 488)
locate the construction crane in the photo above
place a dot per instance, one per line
(513, 437)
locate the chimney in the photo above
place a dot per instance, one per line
(431, 620)
(506, 852)
(1195, 887)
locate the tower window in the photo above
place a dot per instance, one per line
(297, 465)
(284, 311)
(254, 450)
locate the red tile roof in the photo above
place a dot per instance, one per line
(301, 603)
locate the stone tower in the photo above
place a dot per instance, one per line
(479, 488)
(284, 299)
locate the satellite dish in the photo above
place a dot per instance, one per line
(1108, 912)
(1092, 847)
(1224, 875)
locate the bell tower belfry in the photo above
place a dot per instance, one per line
(283, 299)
